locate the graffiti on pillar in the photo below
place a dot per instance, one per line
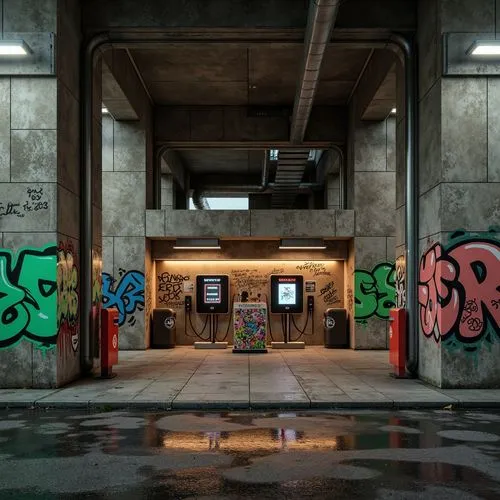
(374, 292)
(28, 296)
(67, 289)
(401, 282)
(125, 294)
(459, 291)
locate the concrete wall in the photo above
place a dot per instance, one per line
(371, 193)
(459, 186)
(39, 206)
(123, 224)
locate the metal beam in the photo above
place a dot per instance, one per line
(320, 21)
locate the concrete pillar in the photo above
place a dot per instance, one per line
(124, 243)
(167, 192)
(39, 196)
(332, 192)
(459, 187)
(370, 268)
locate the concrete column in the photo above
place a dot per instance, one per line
(39, 197)
(370, 268)
(332, 192)
(167, 192)
(124, 243)
(459, 186)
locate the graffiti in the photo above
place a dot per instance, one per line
(315, 268)
(170, 287)
(459, 291)
(127, 295)
(67, 290)
(350, 300)
(401, 282)
(375, 292)
(34, 202)
(329, 294)
(28, 297)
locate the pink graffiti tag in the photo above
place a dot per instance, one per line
(459, 289)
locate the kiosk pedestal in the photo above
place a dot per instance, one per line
(212, 344)
(286, 334)
(250, 327)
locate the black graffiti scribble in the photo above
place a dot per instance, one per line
(495, 303)
(475, 324)
(170, 287)
(316, 268)
(329, 294)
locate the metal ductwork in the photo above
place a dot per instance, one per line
(320, 21)
(291, 166)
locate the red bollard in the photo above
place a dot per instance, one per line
(109, 341)
(397, 341)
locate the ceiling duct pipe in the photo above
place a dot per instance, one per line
(320, 21)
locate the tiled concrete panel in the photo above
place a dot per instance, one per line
(333, 198)
(27, 15)
(494, 130)
(128, 254)
(464, 129)
(27, 213)
(17, 241)
(464, 15)
(428, 44)
(107, 143)
(34, 156)
(16, 366)
(344, 223)
(155, 223)
(400, 165)
(129, 147)
(97, 226)
(4, 129)
(391, 249)
(430, 215)
(68, 141)
(209, 223)
(375, 203)
(370, 251)
(293, 223)
(44, 368)
(123, 203)
(391, 144)
(40, 62)
(370, 152)
(68, 209)
(400, 226)
(34, 103)
(473, 207)
(108, 254)
(430, 169)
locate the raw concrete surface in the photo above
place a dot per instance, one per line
(185, 378)
(289, 455)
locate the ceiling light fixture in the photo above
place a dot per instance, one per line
(105, 110)
(393, 111)
(197, 244)
(484, 48)
(302, 244)
(14, 48)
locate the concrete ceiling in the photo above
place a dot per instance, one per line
(222, 161)
(243, 75)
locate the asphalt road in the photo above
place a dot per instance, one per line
(310, 455)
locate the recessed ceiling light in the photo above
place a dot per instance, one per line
(484, 48)
(302, 244)
(197, 244)
(14, 48)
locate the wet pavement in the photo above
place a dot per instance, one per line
(295, 455)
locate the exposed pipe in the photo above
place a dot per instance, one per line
(320, 21)
(393, 41)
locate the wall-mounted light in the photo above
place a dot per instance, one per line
(14, 48)
(484, 48)
(196, 244)
(302, 244)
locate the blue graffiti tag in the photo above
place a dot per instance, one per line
(127, 296)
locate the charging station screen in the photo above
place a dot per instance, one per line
(287, 294)
(212, 294)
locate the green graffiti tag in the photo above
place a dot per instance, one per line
(374, 292)
(28, 297)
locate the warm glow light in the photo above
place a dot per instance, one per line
(486, 48)
(301, 248)
(195, 248)
(14, 48)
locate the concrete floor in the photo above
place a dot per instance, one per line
(185, 378)
(314, 455)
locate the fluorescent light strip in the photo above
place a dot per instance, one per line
(105, 111)
(301, 248)
(484, 48)
(196, 248)
(14, 48)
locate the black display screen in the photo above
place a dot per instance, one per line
(212, 294)
(287, 294)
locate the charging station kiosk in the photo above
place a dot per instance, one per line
(287, 298)
(212, 298)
